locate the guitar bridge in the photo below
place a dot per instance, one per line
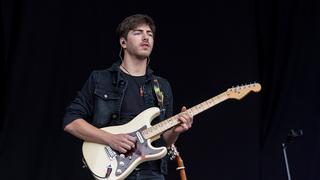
(111, 154)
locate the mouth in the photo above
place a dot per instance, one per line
(145, 45)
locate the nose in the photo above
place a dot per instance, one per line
(145, 37)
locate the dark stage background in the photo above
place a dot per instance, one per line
(50, 47)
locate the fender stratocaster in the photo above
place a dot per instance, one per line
(108, 164)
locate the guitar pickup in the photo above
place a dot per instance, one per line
(140, 138)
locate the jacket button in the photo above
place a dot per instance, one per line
(114, 116)
(105, 96)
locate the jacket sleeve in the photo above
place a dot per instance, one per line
(82, 104)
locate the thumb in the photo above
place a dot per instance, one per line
(183, 109)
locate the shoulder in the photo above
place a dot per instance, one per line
(162, 81)
(100, 74)
(108, 72)
(100, 78)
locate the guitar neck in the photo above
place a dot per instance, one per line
(163, 126)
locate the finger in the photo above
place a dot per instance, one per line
(130, 143)
(126, 146)
(122, 150)
(188, 118)
(188, 114)
(185, 126)
(182, 120)
(131, 138)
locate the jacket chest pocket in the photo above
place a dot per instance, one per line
(105, 105)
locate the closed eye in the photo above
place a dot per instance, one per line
(136, 32)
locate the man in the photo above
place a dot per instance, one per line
(116, 95)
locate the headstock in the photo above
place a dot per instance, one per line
(239, 92)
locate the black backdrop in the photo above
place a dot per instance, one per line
(50, 47)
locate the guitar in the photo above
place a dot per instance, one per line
(174, 154)
(107, 164)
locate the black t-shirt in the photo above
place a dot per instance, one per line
(133, 102)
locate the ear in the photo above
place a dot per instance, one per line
(123, 43)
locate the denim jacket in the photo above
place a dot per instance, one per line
(99, 101)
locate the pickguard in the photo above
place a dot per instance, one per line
(124, 161)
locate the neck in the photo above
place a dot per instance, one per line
(136, 67)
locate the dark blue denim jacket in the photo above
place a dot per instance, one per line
(99, 101)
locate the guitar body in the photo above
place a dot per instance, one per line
(107, 164)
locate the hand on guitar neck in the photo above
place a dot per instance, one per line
(186, 120)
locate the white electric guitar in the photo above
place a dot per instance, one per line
(108, 164)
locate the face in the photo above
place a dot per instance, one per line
(139, 42)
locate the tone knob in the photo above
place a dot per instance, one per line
(119, 171)
(121, 163)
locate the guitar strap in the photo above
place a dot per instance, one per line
(159, 95)
(160, 98)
